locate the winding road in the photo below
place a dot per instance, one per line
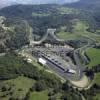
(80, 67)
(49, 32)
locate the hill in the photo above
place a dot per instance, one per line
(48, 14)
(13, 35)
(85, 4)
(42, 17)
(77, 23)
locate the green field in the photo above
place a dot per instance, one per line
(18, 87)
(43, 95)
(40, 14)
(79, 31)
(97, 81)
(97, 78)
(97, 97)
(64, 10)
(68, 36)
(94, 55)
(39, 95)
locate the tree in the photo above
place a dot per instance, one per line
(52, 98)
(4, 89)
(65, 86)
(40, 85)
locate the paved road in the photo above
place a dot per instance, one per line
(49, 31)
(78, 64)
(76, 57)
(32, 42)
(60, 72)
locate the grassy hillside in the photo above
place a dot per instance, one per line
(39, 95)
(78, 31)
(13, 34)
(97, 78)
(94, 55)
(19, 79)
(80, 24)
(48, 15)
(97, 81)
(16, 88)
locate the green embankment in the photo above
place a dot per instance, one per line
(97, 81)
(94, 55)
(39, 95)
(97, 78)
(44, 95)
(77, 31)
(97, 97)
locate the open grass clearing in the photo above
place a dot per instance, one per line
(64, 10)
(79, 30)
(19, 87)
(39, 95)
(97, 81)
(40, 14)
(94, 55)
(97, 78)
(43, 95)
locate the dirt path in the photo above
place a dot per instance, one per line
(83, 83)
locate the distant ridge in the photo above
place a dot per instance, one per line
(85, 4)
(5, 3)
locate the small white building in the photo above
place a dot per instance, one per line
(72, 71)
(42, 61)
(29, 60)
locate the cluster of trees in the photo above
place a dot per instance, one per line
(91, 71)
(67, 92)
(96, 69)
(95, 89)
(92, 92)
(12, 66)
(92, 8)
(9, 64)
(15, 37)
(20, 35)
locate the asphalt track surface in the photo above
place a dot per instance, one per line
(67, 76)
